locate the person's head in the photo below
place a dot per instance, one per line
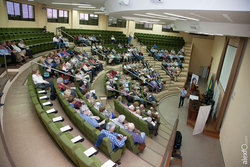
(138, 112)
(59, 80)
(110, 127)
(132, 108)
(12, 42)
(87, 96)
(149, 112)
(71, 99)
(125, 102)
(8, 42)
(84, 91)
(131, 126)
(141, 106)
(67, 93)
(184, 88)
(63, 89)
(136, 104)
(35, 71)
(45, 27)
(194, 81)
(20, 41)
(149, 119)
(84, 109)
(81, 84)
(102, 108)
(121, 119)
(44, 56)
(92, 101)
(119, 98)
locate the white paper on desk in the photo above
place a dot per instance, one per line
(126, 85)
(72, 87)
(46, 103)
(192, 97)
(90, 151)
(50, 111)
(56, 119)
(92, 91)
(109, 163)
(65, 128)
(42, 91)
(43, 97)
(76, 139)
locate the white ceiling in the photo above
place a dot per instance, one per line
(220, 15)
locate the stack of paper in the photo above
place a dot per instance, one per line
(56, 119)
(109, 163)
(43, 97)
(65, 128)
(47, 103)
(92, 91)
(51, 111)
(42, 91)
(77, 139)
(89, 152)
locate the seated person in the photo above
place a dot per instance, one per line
(113, 39)
(106, 113)
(81, 77)
(119, 45)
(22, 46)
(94, 121)
(57, 42)
(45, 29)
(138, 137)
(152, 126)
(120, 122)
(86, 92)
(63, 41)
(38, 79)
(109, 132)
(60, 84)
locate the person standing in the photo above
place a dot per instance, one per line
(182, 97)
(129, 39)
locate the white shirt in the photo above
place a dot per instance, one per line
(100, 47)
(85, 68)
(68, 65)
(16, 48)
(21, 45)
(38, 79)
(55, 39)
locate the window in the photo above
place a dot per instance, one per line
(114, 22)
(19, 11)
(145, 26)
(57, 16)
(88, 19)
(167, 28)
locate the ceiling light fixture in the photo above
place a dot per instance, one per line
(99, 12)
(201, 16)
(87, 7)
(227, 17)
(76, 4)
(165, 18)
(189, 18)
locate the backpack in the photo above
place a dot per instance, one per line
(53, 97)
(178, 140)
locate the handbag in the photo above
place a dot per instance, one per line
(40, 86)
(46, 74)
(142, 146)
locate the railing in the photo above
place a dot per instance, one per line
(169, 149)
(60, 30)
(104, 56)
(6, 68)
(157, 60)
(137, 77)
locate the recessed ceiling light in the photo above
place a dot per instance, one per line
(99, 12)
(219, 34)
(30, 0)
(166, 18)
(227, 17)
(170, 14)
(201, 16)
(60, 3)
(87, 7)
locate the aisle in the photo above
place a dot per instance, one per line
(196, 150)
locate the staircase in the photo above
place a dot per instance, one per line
(170, 87)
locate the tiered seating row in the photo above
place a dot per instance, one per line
(106, 35)
(162, 41)
(73, 150)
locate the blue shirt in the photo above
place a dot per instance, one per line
(90, 120)
(155, 47)
(85, 54)
(80, 38)
(130, 38)
(136, 137)
(183, 93)
(5, 52)
(113, 139)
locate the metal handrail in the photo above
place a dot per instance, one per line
(6, 68)
(136, 76)
(156, 59)
(67, 34)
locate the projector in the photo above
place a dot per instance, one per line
(123, 2)
(157, 1)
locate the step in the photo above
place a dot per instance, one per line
(165, 93)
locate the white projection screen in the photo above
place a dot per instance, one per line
(227, 66)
